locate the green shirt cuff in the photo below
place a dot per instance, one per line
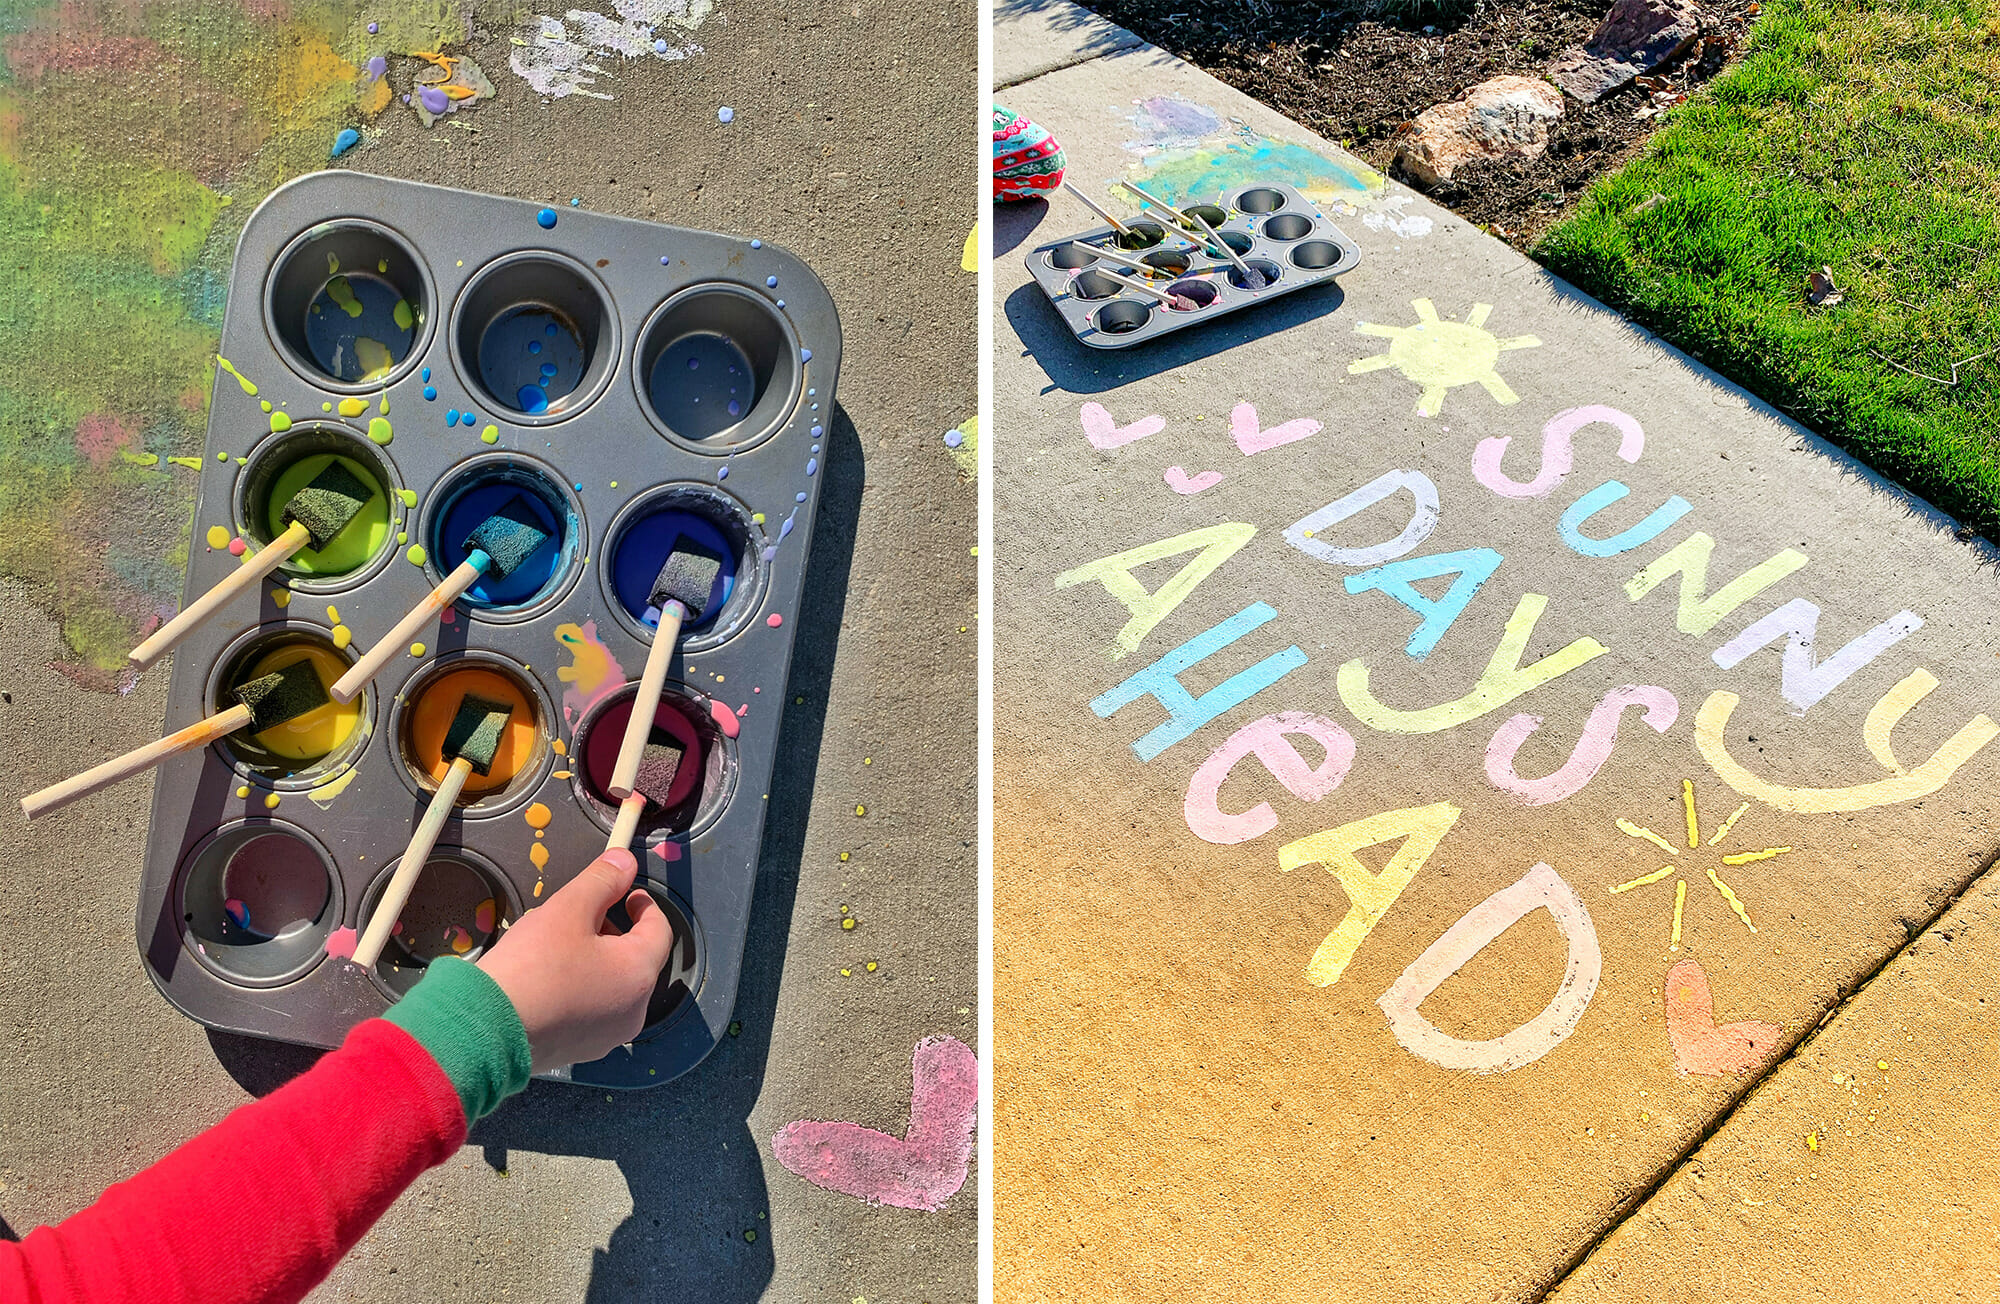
(460, 1015)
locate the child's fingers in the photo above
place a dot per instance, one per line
(650, 931)
(601, 885)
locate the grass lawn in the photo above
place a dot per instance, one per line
(1859, 134)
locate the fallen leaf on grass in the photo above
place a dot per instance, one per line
(1821, 291)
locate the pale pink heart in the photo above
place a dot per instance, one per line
(1182, 483)
(921, 1170)
(1699, 1045)
(1252, 438)
(1103, 432)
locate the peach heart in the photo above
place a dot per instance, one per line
(1103, 432)
(1252, 438)
(921, 1170)
(1699, 1045)
(1182, 483)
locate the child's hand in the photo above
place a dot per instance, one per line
(578, 984)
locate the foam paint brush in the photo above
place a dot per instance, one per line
(659, 761)
(1118, 256)
(1094, 207)
(1252, 278)
(681, 591)
(313, 516)
(470, 743)
(261, 703)
(497, 547)
(1160, 204)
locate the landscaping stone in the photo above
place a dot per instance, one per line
(1501, 118)
(1636, 37)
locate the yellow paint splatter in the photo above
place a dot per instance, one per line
(342, 636)
(871, 966)
(538, 889)
(847, 924)
(1812, 1142)
(280, 422)
(538, 856)
(409, 497)
(353, 407)
(405, 315)
(968, 257)
(559, 774)
(416, 649)
(374, 96)
(323, 795)
(843, 857)
(1883, 1065)
(416, 554)
(492, 436)
(218, 536)
(338, 290)
(221, 457)
(243, 790)
(374, 356)
(1439, 355)
(326, 407)
(860, 810)
(1729, 824)
(380, 430)
(191, 463)
(265, 404)
(559, 747)
(281, 598)
(1751, 857)
(332, 615)
(271, 802)
(139, 459)
(538, 816)
(241, 379)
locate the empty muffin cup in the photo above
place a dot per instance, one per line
(309, 749)
(1313, 255)
(472, 493)
(1287, 226)
(648, 530)
(349, 305)
(1068, 257)
(429, 703)
(283, 464)
(1260, 199)
(718, 368)
(1208, 213)
(1167, 264)
(701, 785)
(536, 336)
(1200, 293)
(680, 979)
(1268, 269)
(257, 900)
(1140, 235)
(1122, 317)
(1094, 285)
(455, 909)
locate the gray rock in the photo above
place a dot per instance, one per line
(1636, 37)
(1504, 117)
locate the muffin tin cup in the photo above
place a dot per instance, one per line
(457, 907)
(1272, 227)
(287, 766)
(336, 301)
(416, 721)
(265, 485)
(725, 346)
(603, 463)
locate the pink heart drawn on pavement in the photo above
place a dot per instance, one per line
(1182, 483)
(1252, 438)
(1103, 432)
(1699, 1045)
(921, 1170)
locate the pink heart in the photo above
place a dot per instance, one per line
(1699, 1045)
(1252, 438)
(926, 1167)
(1103, 432)
(1182, 483)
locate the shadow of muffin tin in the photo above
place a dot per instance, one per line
(457, 348)
(1272, 227)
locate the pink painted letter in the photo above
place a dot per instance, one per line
(1265, 739)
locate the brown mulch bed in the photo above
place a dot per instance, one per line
(1356, 75)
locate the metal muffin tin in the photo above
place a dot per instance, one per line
(617, 449)
(1273, 227)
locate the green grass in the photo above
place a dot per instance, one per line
(1860, 134)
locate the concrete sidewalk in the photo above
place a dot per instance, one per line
(1265, 1028)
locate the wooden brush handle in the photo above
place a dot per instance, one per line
(199, 734)
(627, 823)
(246, 576)
(1094, 207)
(1118, 256)
(639, 725)
(1139, 287)
(422, 616)
(395, 896)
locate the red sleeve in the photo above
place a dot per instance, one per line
(259, 1208)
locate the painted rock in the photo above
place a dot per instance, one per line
(1027, 161)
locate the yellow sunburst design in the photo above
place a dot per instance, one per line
(1439, 355)
(1694, 841)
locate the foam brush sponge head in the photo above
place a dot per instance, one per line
(282, 695)
(687, 577)
(474, 736)
(509, 536)
(325, 506)
(659, 762)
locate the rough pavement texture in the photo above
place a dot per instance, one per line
(563, 1194)
(1236, 1060)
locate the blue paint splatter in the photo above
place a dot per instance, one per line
(725, 114)
(427, 373)
(812, 465)
(771, 281)
(665, 260)
(952, 439)
(756, 244)
(451, 416)
(801, 498)
(433, 99)
(805, 355)
(532, 399)
(431, 392)
(346, 140)
(547, 217)
(660, 45)
(817, 431)
(723, 474)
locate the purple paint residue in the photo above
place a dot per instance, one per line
(952, 439)
(922, 1169)
(812, 465)
(433, 99)
(377, 67)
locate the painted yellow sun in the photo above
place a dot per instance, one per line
(1438, 355)
(1694, 841)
